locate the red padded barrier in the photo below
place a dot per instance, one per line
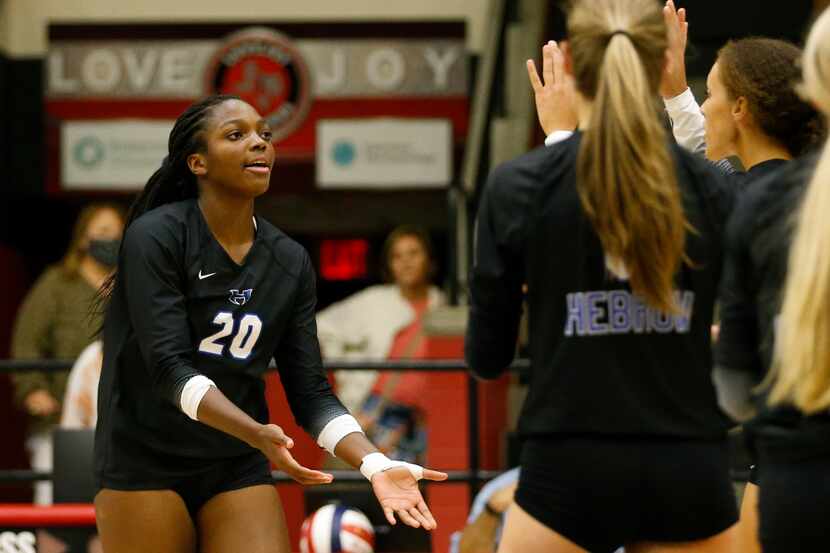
(17, 515)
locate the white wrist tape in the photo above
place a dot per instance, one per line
(192, 393)
(337, 429)
(378, 462)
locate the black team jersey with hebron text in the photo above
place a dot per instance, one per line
(602, 362)
(183, 307)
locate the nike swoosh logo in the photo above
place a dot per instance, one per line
(203, 277)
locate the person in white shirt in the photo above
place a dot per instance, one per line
(365, 325)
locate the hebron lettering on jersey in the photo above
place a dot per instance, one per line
(604, 312)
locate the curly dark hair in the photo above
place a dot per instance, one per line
(765, 72)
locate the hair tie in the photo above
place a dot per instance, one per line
(620, 32)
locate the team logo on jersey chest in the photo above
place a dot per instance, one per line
(240, 297)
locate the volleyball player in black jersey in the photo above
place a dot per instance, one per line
(751, 109)
(206, 293)
(793, 437)
(617, 233)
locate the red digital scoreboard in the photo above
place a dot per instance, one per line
(344, 259)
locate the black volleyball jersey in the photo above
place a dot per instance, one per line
(182, 307)
(744, 180)
(757, 251)
(602, 361)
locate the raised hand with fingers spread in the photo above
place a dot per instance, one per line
(674, 82)
(555, 92)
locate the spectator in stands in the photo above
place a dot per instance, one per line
(385, 322)
(56, 321)
(484, 524)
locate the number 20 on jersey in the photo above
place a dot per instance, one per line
(245, 335)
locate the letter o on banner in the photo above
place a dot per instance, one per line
(385, 68)
(101, 70)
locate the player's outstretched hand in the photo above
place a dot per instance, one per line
(554, 93)
(674, 75)
(398, 494)
(275, 445)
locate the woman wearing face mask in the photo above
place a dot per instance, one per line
(56, 322)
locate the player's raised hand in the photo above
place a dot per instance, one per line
(674, 75)
(554, 92)
(275, 445)
(398, 494)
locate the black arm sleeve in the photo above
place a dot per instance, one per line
(150, 273)
(497, 276)
(299, 363)
(738, 343)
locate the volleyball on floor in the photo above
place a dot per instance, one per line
(337, 529)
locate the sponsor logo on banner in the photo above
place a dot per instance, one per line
(384, 153)
(113, 154)
(265, 69)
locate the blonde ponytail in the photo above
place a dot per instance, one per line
(625, 174)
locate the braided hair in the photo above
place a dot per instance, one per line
(173, 181)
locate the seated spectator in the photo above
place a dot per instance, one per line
(56, 321)
(385, 322)
(484, 524)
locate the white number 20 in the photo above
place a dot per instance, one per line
(247, 333)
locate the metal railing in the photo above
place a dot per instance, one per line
(474, 475)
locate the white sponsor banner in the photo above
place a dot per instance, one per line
(384, 153)
(112, 154)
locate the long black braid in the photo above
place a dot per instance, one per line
(173, 181)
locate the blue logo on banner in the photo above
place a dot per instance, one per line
(343, 153)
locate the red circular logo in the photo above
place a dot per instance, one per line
(263, 68)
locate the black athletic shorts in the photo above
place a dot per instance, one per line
(794, 478)
(793, 505)
(199, 486)
(602, 493)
